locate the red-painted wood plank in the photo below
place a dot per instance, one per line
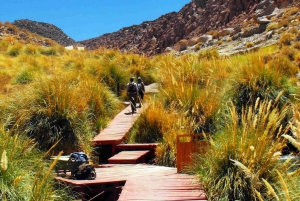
(115, 132)
(137, 146)
(128, 157)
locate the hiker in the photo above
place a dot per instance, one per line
(141, 90)
(132, 92)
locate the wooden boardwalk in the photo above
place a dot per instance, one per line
(116, 131)
(143, 182)
(133, 181)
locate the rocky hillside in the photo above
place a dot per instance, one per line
(46, 30)
(186, 26)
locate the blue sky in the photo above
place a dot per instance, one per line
(85, 19)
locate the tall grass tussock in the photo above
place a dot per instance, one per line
(250, 147)
(24, 173)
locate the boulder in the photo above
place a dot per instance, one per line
(205, 38)
(168, 49)
(261, 20)
(236, 36)
(269, 35)
(182, 44)
(225, 32)
(193, 41)
(254, 30)
(265, 7)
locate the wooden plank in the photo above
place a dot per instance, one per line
(128, 157)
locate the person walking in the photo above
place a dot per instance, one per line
(141, 90)
(132, 92)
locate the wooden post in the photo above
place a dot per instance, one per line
(188, 145)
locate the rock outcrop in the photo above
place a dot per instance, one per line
(192, 21)
(46, 30)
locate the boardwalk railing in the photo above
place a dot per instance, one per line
(188, 145)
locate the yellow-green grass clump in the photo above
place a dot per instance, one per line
(286, 39)
(14, 50)
(208, 54)
(272, 26)
(70, 109)
(24, 173)
(249, 44)
(242, 162)
(258, 80)
(163, 126)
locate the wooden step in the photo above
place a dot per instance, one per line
(129, 157)
(138, 147)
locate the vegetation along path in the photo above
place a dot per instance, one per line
(135, 180)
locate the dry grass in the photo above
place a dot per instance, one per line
(214, 33)
(11, 28)
(197, 47)
(286, 39)
(24, 173)
(272, 26)
(63, 108)
(249, 154)
(295, 127)
(283, 23)
(249, 44)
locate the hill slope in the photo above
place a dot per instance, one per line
(46, 30)
(193, 20)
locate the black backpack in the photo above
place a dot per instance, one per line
(85, 171)
(140, 86)
(78, 157)
(131, 87)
